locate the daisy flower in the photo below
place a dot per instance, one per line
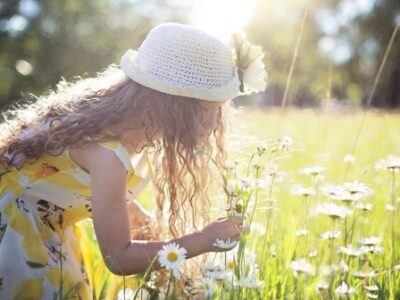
(372, 288)
(390, 207)
(301, 232)
(322, 286)
(208, 286)
(126, 293)
(390, 163)
(362, 275)
(344, 290)
(302, 266)
(328, 270)
(216, 271)
(246, 184)
(331, 190)
(171, 257)
(334, 211)
(352, 252)
(370, 241)
(225, 244)
(302, 191)
(258, 228)
(313, 171)
(313, 253)
(364, 206)
(330, 235)
(284, 142)
(349, 158)
(357, 187)
(249, 282)
(372, 249)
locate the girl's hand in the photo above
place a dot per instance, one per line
(224, 228)
(140, 220)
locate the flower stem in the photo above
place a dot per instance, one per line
(169, 284)
(393, 216)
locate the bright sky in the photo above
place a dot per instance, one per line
(222, 17)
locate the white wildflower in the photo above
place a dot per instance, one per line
(334, 211)
(216, 271)
(370, 241)
(372, 249)
(331, 235)
(301, 232)
(313, 171)
(322, 286)
(208, 286)
(225, 244)
(249, 282)
(357, 187)
(328, 269)
(285, 142)
(343, 267)
(302, 266)
(331, 190)
(231, 187)
(351, 251)
(302, 191)
(246, 183)
(313, 253)
(390, 163)
(390, 207)
(171, 257)
(345, 290)
(257, 227)
(349, 158)
(364, 206)
(372, 288)
(126, 294)
(362, 275)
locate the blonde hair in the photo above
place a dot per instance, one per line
(84, 107)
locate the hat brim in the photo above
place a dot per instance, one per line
(217, 94)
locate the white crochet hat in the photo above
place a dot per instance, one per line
(180, 59)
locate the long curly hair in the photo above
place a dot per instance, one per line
(84, 107)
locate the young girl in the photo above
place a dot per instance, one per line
(84, 151)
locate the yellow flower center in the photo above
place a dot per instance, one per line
(172, 257)
(231, 265)
(239, 208)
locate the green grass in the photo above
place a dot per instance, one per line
(321, 139)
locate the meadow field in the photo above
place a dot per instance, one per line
(297, 256)
(321, 192)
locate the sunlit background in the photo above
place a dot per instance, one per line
(340, 48)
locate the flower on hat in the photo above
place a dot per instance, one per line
(249, 61)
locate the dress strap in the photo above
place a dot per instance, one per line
(119, 149)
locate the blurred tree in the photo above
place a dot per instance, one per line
(341, 48)
(43, 41)
(375, 30)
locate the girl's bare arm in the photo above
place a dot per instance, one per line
(122, 255)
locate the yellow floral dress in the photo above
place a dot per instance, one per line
(44, 251)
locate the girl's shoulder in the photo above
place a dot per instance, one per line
(83, 155)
